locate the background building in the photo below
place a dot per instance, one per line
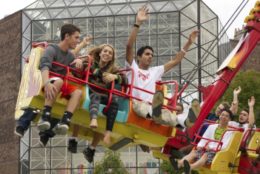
(108, 21)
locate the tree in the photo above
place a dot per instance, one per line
(110, 164)
(250, 84)
(166, 168)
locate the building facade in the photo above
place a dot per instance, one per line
(107, 21)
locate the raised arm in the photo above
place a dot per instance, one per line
(251, 117)
(180, 55)
(234, 104)
(86, 41)
(142, 15)
(78, 62)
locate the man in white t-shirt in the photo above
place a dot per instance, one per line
(144, 75)
(246, 117)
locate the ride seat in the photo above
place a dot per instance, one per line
(223, 158)
(123, 109)
(254, 143)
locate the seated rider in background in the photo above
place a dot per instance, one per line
(205, 150)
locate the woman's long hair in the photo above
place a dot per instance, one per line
(94, 52)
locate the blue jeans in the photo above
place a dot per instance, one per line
(25, 120)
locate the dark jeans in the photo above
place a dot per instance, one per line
(25, 120)
(96, 99)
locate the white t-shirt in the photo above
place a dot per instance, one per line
(238, 125)
(209, 133)
(144, 79)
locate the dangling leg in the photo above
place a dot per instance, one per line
(93, 109)
(111, 117)
(157, 104)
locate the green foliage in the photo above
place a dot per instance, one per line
(166, 168)
(250, 84)
(110, 164)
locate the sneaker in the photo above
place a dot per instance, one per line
(72, 146)
(43, 140)
(89, 154)
(144, 148)
(62, 127)
(44, 123)
(157, 103)
(19, 130)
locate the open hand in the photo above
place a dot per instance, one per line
(193, 36)
(251, 101)
(237, 90)
(87, 40)
(108, 77)
(142, 15)
(50, 91)
(78, 63)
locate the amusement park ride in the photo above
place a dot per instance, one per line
(241, 156)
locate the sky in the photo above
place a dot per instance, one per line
(223, 8)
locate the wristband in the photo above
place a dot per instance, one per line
(136, 25)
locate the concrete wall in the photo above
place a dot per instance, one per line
(10, 46)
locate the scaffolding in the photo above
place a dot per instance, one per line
(110, 21)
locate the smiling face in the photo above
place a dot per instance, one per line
(224, 118)
(106, 54)
(145, 59)
(243, 117)
(72, 40)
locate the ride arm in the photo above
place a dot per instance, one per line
(142, 15)
(251, 117)
(234, 104)
(180, 55)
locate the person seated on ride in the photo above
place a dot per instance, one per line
(205, 151)
(221, 106)
(145, 77)
(180, 119)
(51, 132)
(104, 72)
(246, 117)
(53, 85)
(225, 105)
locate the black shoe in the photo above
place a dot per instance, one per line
(186, 167)
(89, 154)
(174, 163)
(176, 154)
(72, 146)
(19, 130)
(144, 148)
(43, 140)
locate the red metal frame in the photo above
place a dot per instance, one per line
(247, 165)
(220, 85)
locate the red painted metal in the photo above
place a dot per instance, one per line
(219, 86)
